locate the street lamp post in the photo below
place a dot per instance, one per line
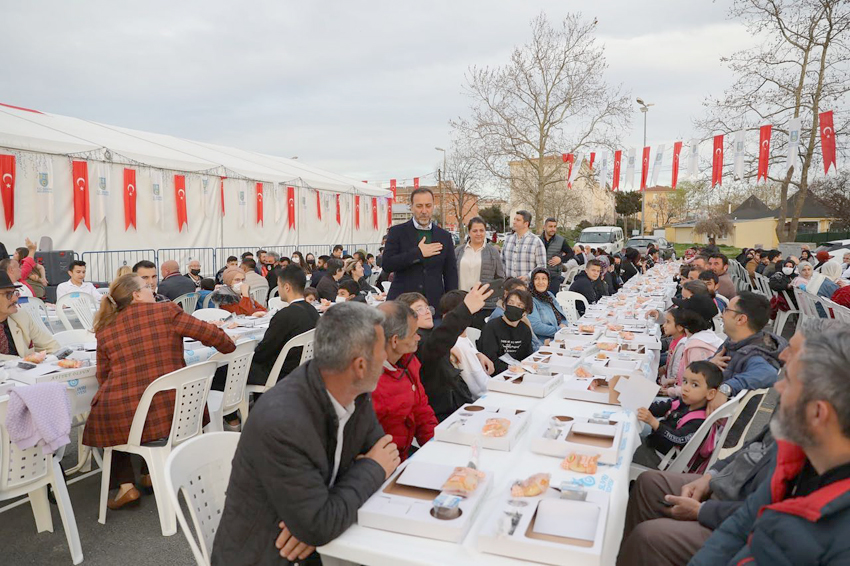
(441, 182)
(644, 107)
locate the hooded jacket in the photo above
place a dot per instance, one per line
(754, 362)
(776, 529)
(402, 405)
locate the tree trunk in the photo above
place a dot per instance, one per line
(781, 232)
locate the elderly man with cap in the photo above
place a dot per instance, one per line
(19, 333)
(173, 284)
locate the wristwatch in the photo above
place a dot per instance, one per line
(726, 389)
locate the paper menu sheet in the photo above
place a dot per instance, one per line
(567, 518)
(425, 475)
(636, 392)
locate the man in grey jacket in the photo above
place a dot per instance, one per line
(558, 253)
(312, 452)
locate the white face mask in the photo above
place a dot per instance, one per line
(236, 287)
(296, 260)
(787, 270)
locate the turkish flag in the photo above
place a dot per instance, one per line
(415, 183)
(644, 170)
(764, 152)
(129, 199)
(615, 182)
(393, 187)
(389, 213)
(290, 202)
(222, 195)
(180, 201)
(80, 173)
(357, 212)
(374, 213)
(592, 158)
(259, 195)
(717, 161)
(568, 158)
(7, 188)
(827, 140)
(319, 205)
(677, 149)
(338, 215)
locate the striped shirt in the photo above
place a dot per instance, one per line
(523, 254)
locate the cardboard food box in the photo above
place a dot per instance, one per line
(597, 389)
(563, 434)
(466, 424)
(548, 529)
(558, 363)
(530, 384)
(45, 372)
(404, 504)
(614, 364)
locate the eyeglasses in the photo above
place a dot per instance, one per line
(11, 294)
(422, 310)
(735, 311)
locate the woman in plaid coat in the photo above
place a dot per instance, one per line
(138, 340)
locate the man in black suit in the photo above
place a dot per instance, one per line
(420, 253)
(173, 284)
(297, 318)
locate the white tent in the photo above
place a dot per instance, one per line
(41, 141)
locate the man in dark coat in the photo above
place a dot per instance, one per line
(173, 284)
(585, 283)
(420, 253)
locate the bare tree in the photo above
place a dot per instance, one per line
(461, 182)
(550, 98)
(799, 69)
(715, 226)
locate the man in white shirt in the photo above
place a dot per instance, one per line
(77, 272)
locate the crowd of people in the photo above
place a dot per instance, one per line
(322, 440)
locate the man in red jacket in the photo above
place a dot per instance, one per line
(400, 400)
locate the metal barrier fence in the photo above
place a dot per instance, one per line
(103, 266)
(207, 257)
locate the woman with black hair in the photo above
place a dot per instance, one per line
(631, 265)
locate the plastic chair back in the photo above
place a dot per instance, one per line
(386, 286)
(238, 364)
(259, 295)
(83, 307)
(567, 300)
(274, 293)
(304, 341)
(200, 468)
(188, 302)
(473, 334)
(210, 315)
(19, 469)
(277, 303)
(37, 311)
(74, 337)
(719, 450)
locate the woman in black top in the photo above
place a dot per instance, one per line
(630, 266)
(507, 334)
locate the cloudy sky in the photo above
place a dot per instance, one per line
(364, 89)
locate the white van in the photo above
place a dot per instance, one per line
(608, 238)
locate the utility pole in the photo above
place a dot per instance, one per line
(644, 107)
(440, 183)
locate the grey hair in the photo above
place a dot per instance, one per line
(825, 372)
(396, 319)
(274, 255)
(813, 328)
(345, 332)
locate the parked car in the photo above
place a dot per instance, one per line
(836, 249)
(608, 238)
(642, 243)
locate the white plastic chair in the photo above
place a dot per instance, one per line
(29, 472)
(304, 341)
(836, 311)
(234, 396)
(763, 286)
(569, 276)
(277, 303)
(386, 286)
(783, 316)
(74, 337)
(275, 292)
(200, 468)
(188, 302)
(207, 303)
(210, 315)
(260, 295)
(83, 307)
(473, 334)
(567, 300)
(192, 385)
(721, 452)
(807, 305)
(37, 311)
(676, 461)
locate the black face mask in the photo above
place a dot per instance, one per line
(311, 261)
(513, 313)
(195, 272)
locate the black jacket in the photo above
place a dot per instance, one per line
(174, 285)
(327, 288)
(431, 276)
(316, 277)
(283, 466)
(297, 318)
(582, 284)
(443, 384)
(629, 270)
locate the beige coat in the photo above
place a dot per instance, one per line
(28, 336)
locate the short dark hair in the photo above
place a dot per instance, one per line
(632, 254)
(337, 247)
(311, 291)
(709, 276)
(293, 275)
(76, 263)
(146, 264)
(207, 284)
(551, 219)
(721, 257)
(252, 264)
(593, 262)
(247, 254)
(323, 258)
(773, 254)
(334, 265)
(693, 322)
(411, 297)
(526, 216)
(22, 252)
(710, 372)
(475, 220)
(231, 258)
(757, 309)
(284, 258)
(684, 270)
(351, 286)
(421, 191)
(513, 283)
(450, 300)
(261, 252)
(523, 296)
(368, 256)
(696, 287)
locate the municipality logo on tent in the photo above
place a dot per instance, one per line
(156, 189)
(101, 185)
(43, 179)
(241, 196)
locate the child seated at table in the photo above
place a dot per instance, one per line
(679, 419)
(674, 329)
(349, 290)
(507, 334)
